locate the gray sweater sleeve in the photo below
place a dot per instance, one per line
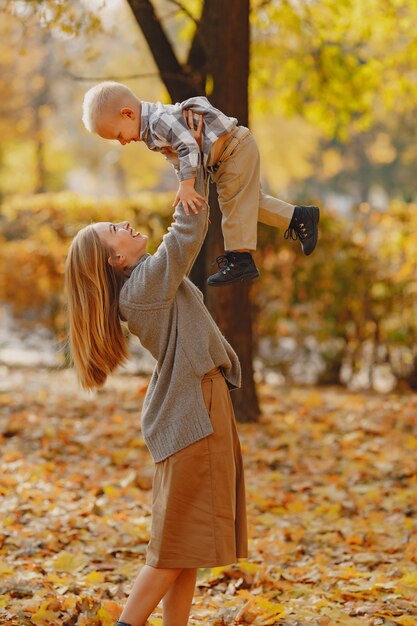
(156, 280)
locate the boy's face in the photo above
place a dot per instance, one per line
(122, 126)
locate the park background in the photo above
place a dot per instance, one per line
(328, 342)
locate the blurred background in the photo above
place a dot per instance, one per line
(332, 104)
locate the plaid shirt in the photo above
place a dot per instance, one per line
(162, 125)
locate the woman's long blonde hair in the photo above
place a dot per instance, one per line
(96, 339)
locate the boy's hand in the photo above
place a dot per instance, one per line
(188, 117)
(189, 197)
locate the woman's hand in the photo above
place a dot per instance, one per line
(188, 117)
(169, 152)
(196, 133)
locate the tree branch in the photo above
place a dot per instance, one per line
(179, 77)
(184, 9)
(198, 52)
(163, 52)
(262, 4)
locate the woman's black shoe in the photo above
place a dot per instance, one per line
(234, 267)
(304, 226)
(122, 624)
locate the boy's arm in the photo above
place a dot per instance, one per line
(197, 133)
(172, 157)
(156, 280)
(186, 145)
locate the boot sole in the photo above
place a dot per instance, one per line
(316, 220)
(234, 280)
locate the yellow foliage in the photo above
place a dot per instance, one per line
(5, 569)
(35, 235)
(58, 580)
(296, 506)
(216, 571)
(95, 577)
(43, 616)
(111, 491)
(4, 599)
(406, 620)
(409, 579)
(261, 606)
(68, 562)
(246, 566)
(109, 613)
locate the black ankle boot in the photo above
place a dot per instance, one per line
(234, 266)
(304, 226)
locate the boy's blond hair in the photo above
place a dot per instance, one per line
(98, 98)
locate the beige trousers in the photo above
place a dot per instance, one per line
(242, 201)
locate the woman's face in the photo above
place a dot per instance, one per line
(128, 245)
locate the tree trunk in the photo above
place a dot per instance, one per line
(228, 64)
(226, 59)
(40, 168)
(40, 99)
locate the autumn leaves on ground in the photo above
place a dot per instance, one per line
(331, 488)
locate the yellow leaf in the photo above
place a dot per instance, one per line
(8, 521)
(314, 400)
(248, 567)
(4, 599)
(350, 571)
(355, 539)
(67, 562)
(271, 607)
(59, 580)
(95, 577)
(109, 613)
(406, 620)
(296, 506)
(411, 442)
(215, 571)
(69, 602)
(155, 621)
(44, 617)
(409, 579)
(111, 491)
(134, 530)
(5, 568)
(128, 569)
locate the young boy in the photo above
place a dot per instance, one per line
(228, 154)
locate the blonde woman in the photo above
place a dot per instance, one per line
(198, 506)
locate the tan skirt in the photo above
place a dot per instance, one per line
(199, 506)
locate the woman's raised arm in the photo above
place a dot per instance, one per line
(158, 277)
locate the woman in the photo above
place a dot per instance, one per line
(198, 507)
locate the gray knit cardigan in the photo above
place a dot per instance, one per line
(166, 311)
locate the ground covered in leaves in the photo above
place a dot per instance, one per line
(332, 500)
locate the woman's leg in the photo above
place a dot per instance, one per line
(150, 586)
(176, 603)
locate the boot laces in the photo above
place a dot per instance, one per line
(296, 230)
(224, 262)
